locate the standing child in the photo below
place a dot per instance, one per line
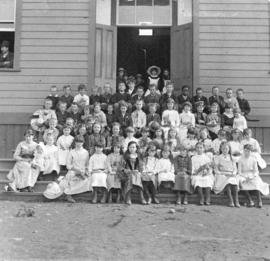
(152, 116)
(149, 179)
(200, 116)
(165, 168)
(130, 137)
(52, 130)
(249, 177)
(53, 96)
(217, 142)
(81, 98)
(186, 119)
(115, 138)
(64, 143)
(170, 117)
(67, 97)
(182, 166)
(123, 117)
(159, 139)
(106, 96)
(202, 177)
(94, 138)
(226, 175)
(243, 103)
(61, 114)
(130, 173)
(113, 163)
(190, 142)
(39, 158)
(239, 121)
(144, 141)
(138, 118)
(98, 171)
(235, 145)
(51, 157)
(173, 141)
(256, 149)
(213, 121)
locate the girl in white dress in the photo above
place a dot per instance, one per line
(98, 171)
(226, 175)
(239, 121)
(23, 176)
(64, 143)
(170, 117)
(249, 176)
(235, 145)
(202, 177)
(149, 178)
(77, 179)
(113, 163)
(173, 141)
(207, 142)
(51, 157)
(165, 167)
(256, 149)
(186, 119)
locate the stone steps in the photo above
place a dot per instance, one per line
(165, 197)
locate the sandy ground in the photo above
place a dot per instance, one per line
(82, 231)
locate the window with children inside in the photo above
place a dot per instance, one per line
(7, 33)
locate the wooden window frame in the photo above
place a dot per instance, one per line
(17, 40)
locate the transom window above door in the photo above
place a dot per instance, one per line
(144, 12)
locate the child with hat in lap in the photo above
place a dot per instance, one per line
(98, 171)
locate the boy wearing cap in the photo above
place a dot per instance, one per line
(6, 57)
(199, 97)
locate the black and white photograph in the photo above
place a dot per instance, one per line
(135, 130)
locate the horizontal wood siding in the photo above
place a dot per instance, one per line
(54, 51)
(234, 49)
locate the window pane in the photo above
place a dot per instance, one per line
(145, 2)
(7, 54)
(161, 2)
(7, 10)
(126, 2)
(103, 12)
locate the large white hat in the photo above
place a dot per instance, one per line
(153, 67)
(53, 191)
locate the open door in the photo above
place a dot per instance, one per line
(181, 56)
(105, 58)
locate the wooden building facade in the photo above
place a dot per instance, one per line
(59, 42)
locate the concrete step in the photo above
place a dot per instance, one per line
(87, 197)
(4, 173)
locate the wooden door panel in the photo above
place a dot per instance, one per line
(105, 58)
(181, 56)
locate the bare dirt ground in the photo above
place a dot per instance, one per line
(82, 231)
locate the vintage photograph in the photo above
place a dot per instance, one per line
(135, 130)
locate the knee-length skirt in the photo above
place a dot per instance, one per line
(183, 183)
(202, 181)
(255, 183)
(221, 181)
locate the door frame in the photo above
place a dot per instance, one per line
(196, 39)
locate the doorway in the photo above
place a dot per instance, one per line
(137, 51)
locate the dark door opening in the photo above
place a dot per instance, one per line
(136, 53)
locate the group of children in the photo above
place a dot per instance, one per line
(141, 139)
